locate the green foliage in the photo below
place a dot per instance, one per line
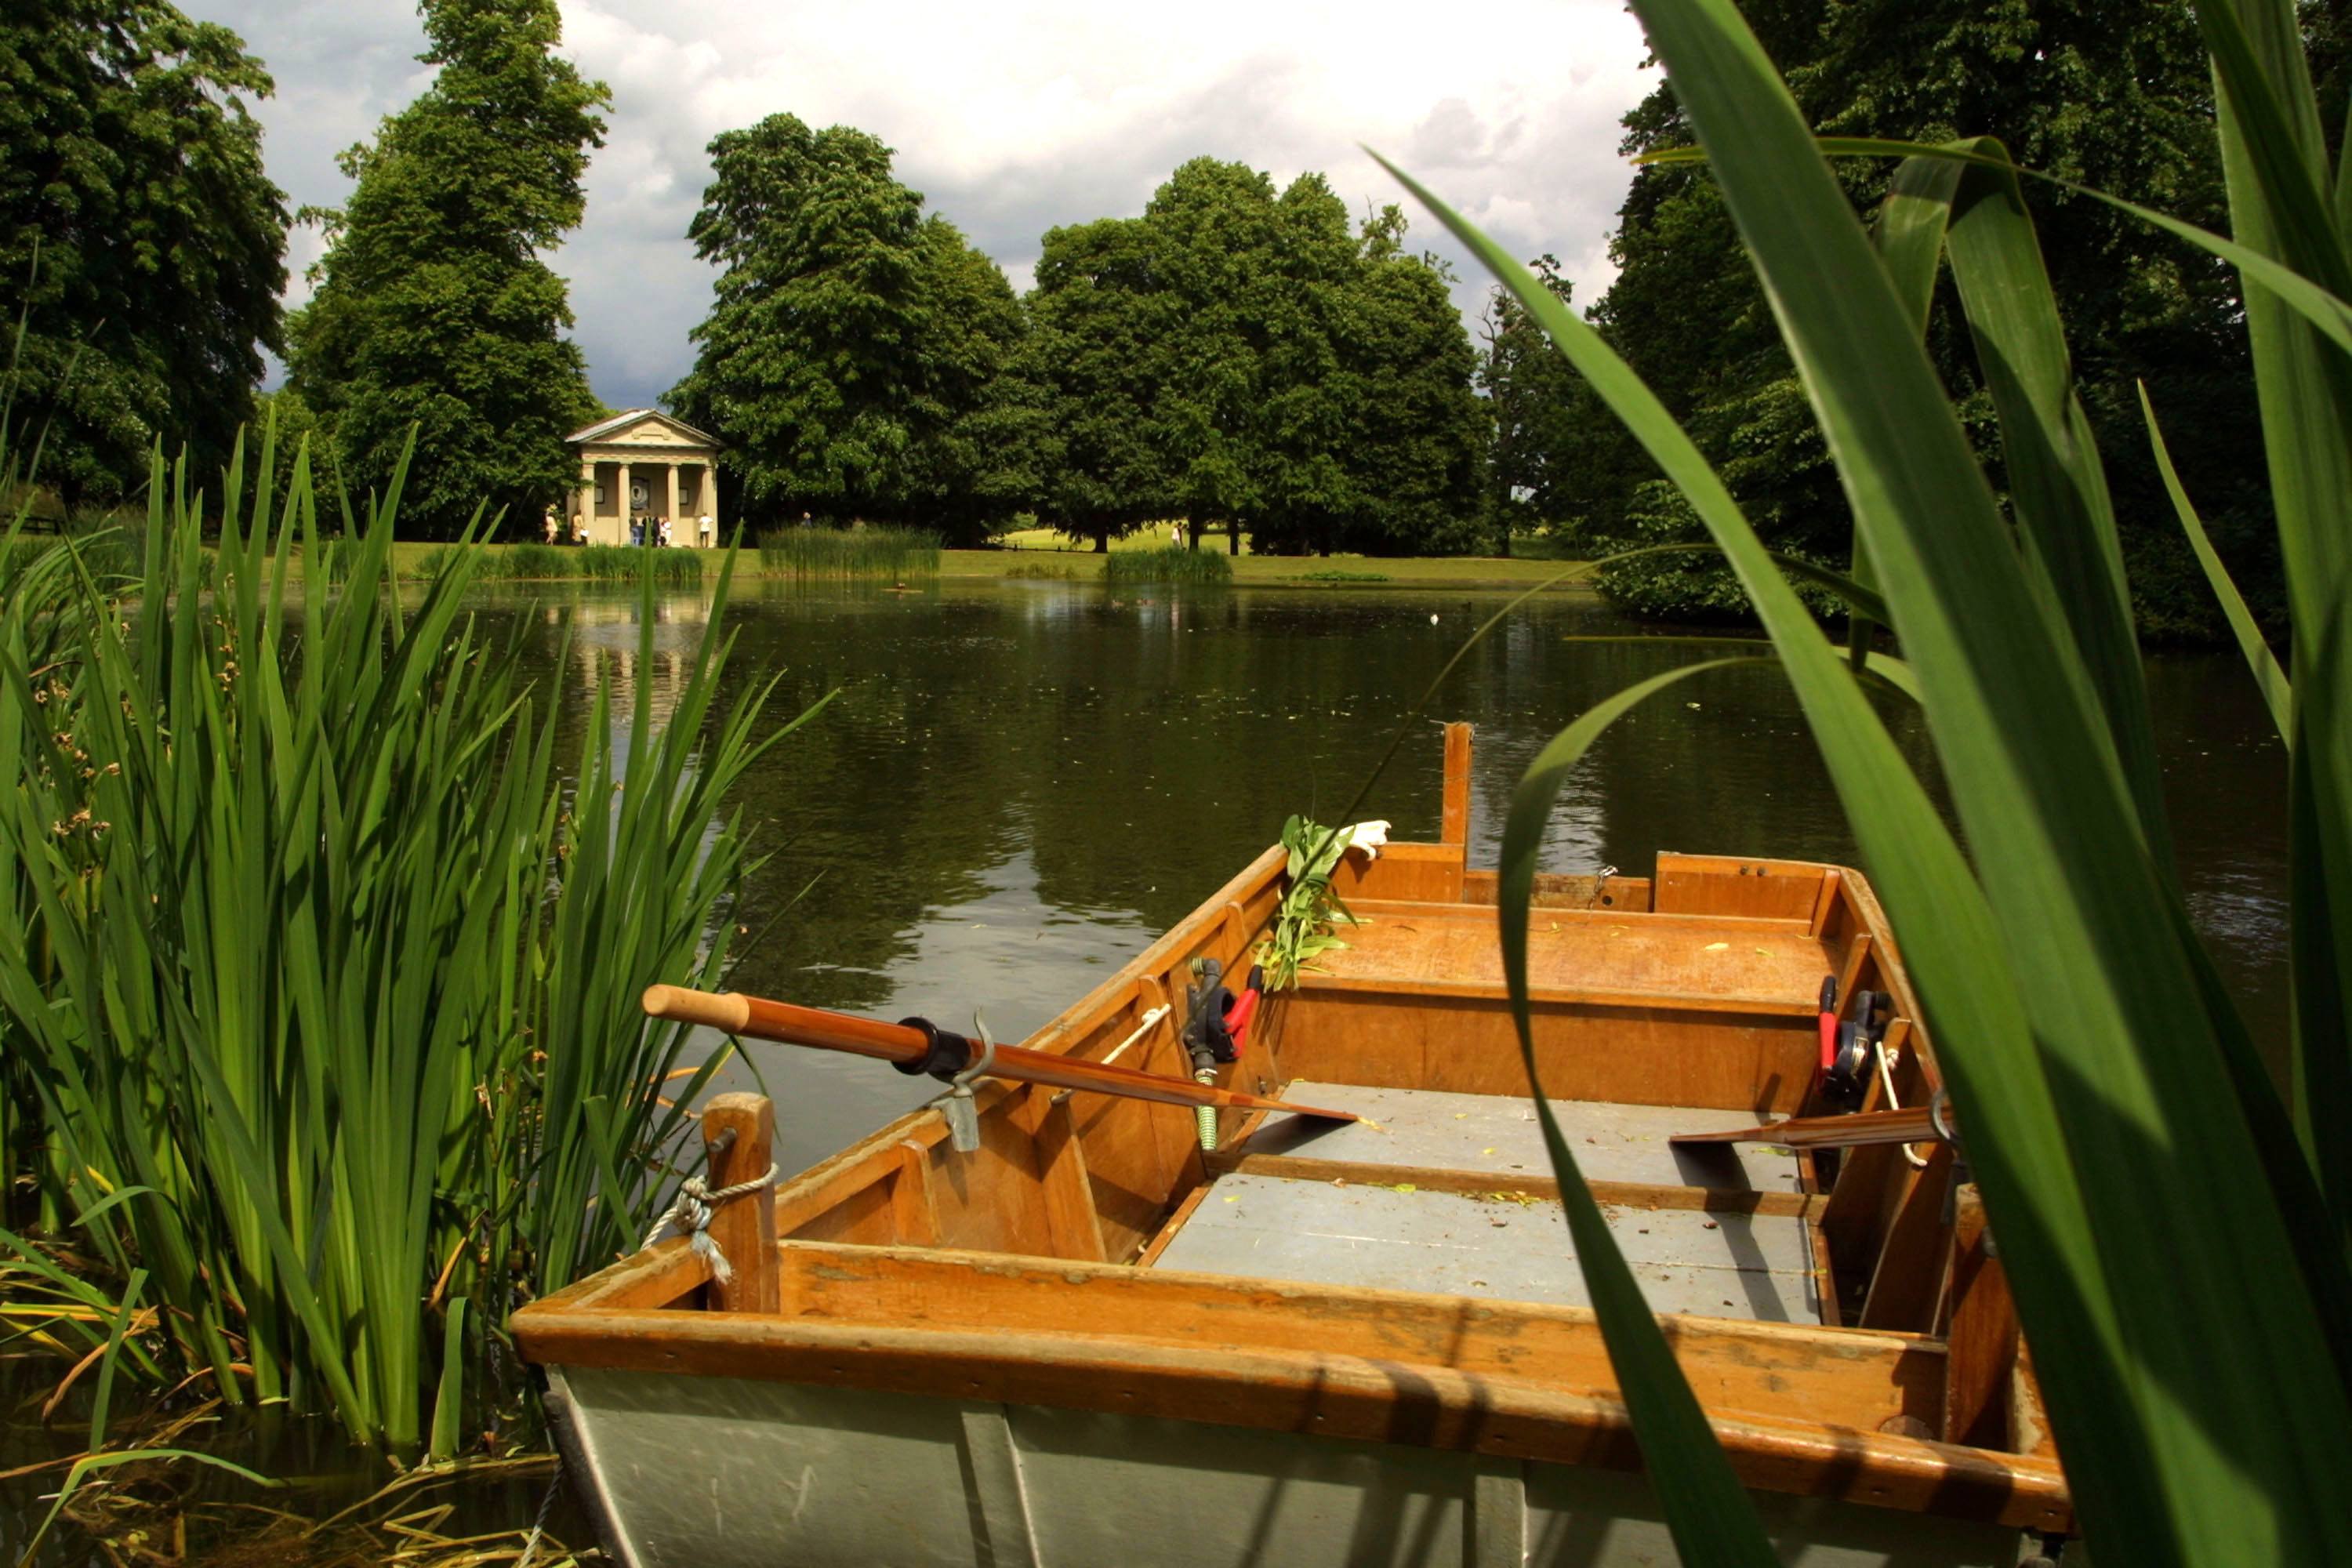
(1344, 577)
(1242, 353)
(1532, 398)
(320, 1002)
(434, 311)
(1129, 567)
(1302, 930)
(135, 214)
(1097, 326)
(2116, 99)
(2175, 1238)
(852, 359)
(531, 562)
(869, 552)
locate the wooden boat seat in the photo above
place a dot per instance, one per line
(1710, 962)
(1452, 1193)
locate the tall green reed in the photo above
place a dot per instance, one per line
(312, 996)
(1169, 564)
(2177, 1253)
(529, 562)
(874, 550)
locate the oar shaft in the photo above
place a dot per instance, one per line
(787, 1024)
(1912, 1124)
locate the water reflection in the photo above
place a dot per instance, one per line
(1020, 785)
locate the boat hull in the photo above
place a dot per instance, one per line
(721, 1472)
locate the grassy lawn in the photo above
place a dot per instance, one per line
(1274, 571)
(1249, 570)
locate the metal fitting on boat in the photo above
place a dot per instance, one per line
(1204, 1117)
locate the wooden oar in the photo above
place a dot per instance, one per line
(919, 1049)
(1910, 1125)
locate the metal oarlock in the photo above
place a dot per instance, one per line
(962, 1114)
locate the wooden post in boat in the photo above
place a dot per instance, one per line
(1453, 822)
(1981, 1354)
(738, 1135)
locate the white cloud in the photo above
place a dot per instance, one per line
(1009, 119)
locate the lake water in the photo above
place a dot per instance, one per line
(1020, 785)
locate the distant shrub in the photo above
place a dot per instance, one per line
(1345, 577)
(555, 562)
(106, 550)
(1170, 566)
(850, 551)
(1043, 571)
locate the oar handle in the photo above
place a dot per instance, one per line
(737, 1014)
(912, 1049)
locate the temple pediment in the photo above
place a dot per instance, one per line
(646, 428)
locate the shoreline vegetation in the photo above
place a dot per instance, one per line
(684, 565)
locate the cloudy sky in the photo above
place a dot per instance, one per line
(1010, 118)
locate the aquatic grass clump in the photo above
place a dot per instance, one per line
(323, 1011)
(1173, 565)
(534, 563)
(870, 552)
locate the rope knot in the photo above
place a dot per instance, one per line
(690, 1216)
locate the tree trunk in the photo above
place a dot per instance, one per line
(1102, 541)
(1234, 537)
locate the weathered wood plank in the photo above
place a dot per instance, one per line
(1982, 1355)
(739, 1137)
(1437, 1179)
(1453, 816)
(1237, 1380)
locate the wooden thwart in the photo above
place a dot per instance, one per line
(1516, 1184)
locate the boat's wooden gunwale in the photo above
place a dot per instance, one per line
(1098, 1019)
(1311, 1392)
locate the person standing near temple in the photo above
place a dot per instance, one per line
(706, 531)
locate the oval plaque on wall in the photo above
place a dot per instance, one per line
(638, 494)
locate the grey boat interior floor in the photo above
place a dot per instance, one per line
(1716, 1263)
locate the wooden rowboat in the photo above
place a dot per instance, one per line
(1090, 1341)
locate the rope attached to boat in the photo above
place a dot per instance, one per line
(690, 1215)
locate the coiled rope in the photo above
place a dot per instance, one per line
(690, 1215)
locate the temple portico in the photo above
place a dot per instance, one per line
(644, 465)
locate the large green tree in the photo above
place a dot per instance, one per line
(131, 168)
(1240, 356)
(434, 309)
(1097, 324)
(2116, 96)
(853, 359)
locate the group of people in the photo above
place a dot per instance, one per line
(643, 531)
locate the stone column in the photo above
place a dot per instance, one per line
(621, 499)
(709, 495)
(583, 502)
(678, 531)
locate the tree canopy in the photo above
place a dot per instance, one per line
(2114, 98)
(1241, 355)
(852, 361)
(433, 308)
(136, 218)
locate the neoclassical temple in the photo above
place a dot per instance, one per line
(644, 463)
